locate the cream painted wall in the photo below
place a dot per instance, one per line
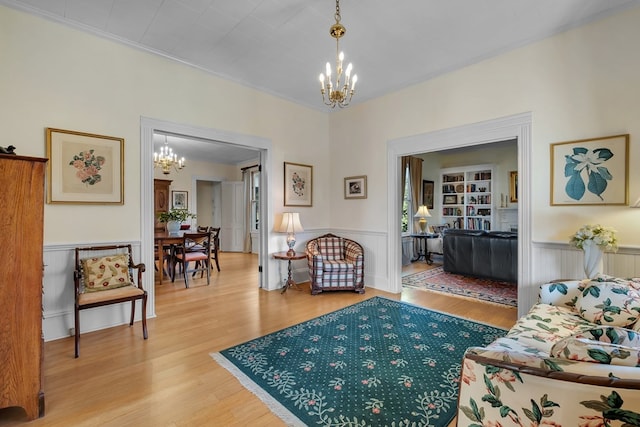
(54, 76)
(580, 84)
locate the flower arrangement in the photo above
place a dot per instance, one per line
(179, 215)
(603, 237)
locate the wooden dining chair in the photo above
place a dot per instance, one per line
(215, 246)
(196, 248)
(215, 242)
(103, 275)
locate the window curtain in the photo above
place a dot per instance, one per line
(415, 177)
(246, 179)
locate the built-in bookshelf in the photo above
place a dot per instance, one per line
(467, 198)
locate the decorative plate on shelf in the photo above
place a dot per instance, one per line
(459, 188)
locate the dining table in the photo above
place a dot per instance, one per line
(164, 238)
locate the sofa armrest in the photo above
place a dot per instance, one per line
(496, 392)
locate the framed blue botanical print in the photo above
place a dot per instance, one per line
(590, 171)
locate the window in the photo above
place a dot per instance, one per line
(407, 225)
(255, 206)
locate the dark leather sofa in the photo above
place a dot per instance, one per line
(492, 255)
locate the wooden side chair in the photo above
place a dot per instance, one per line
(103, 275)
(215, 246)
(215, 242)
(196, 248)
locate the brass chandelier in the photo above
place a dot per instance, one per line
(167, 159)
(337, 93)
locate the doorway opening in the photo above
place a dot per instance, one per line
(513, 127)
(150, 126)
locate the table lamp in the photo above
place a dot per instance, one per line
(423, 214)
(290, 224)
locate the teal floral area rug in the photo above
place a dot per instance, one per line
(438, 280)
(379, 362)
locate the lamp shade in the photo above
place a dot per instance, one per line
(290, 223)
(422, 212)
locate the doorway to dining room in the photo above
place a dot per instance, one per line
(149, 127)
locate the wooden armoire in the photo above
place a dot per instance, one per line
(160, 200)
(21, 271)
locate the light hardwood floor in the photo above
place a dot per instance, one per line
(170, 379)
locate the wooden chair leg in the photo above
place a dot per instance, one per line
(145, 334)
(215, 258)
(133, 311)
(77, 331)
(185, 268)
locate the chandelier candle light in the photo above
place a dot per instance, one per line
(167, 158)
(423, 214)
(290, 224)
(339, 93)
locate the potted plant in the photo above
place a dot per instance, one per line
(174, 217)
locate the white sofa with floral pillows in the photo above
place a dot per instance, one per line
(573, 360)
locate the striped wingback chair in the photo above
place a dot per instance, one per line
(335, 264)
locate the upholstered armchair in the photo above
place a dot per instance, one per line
(335, 264)
(435, 245)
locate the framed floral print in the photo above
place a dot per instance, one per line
(298, 184)
(355, 187)
(590, 171)
(84, 168)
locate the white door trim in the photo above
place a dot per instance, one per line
(147, 128)
(516, 126)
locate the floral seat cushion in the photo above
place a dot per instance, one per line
(542, 327)
(605, 345)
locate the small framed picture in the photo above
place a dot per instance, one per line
(427, 193)
(513, 187)
(355, 187)
(84, 168)
(179, 199)
(450, 200)
(298, 184)
(590, 171)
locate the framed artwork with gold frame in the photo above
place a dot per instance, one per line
(513, 186)
(84, 168)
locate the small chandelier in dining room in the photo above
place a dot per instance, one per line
(167, 159)
(338, 93)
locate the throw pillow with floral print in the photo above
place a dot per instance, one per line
(107, 272)
(609, 303)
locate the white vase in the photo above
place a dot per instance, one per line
(173, 226)
(593, 263)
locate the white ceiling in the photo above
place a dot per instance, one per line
(204, 150)
(281, 46)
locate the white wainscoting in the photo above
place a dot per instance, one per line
(551, 261)
(58, 295)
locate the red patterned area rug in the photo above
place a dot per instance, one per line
(438, 280)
